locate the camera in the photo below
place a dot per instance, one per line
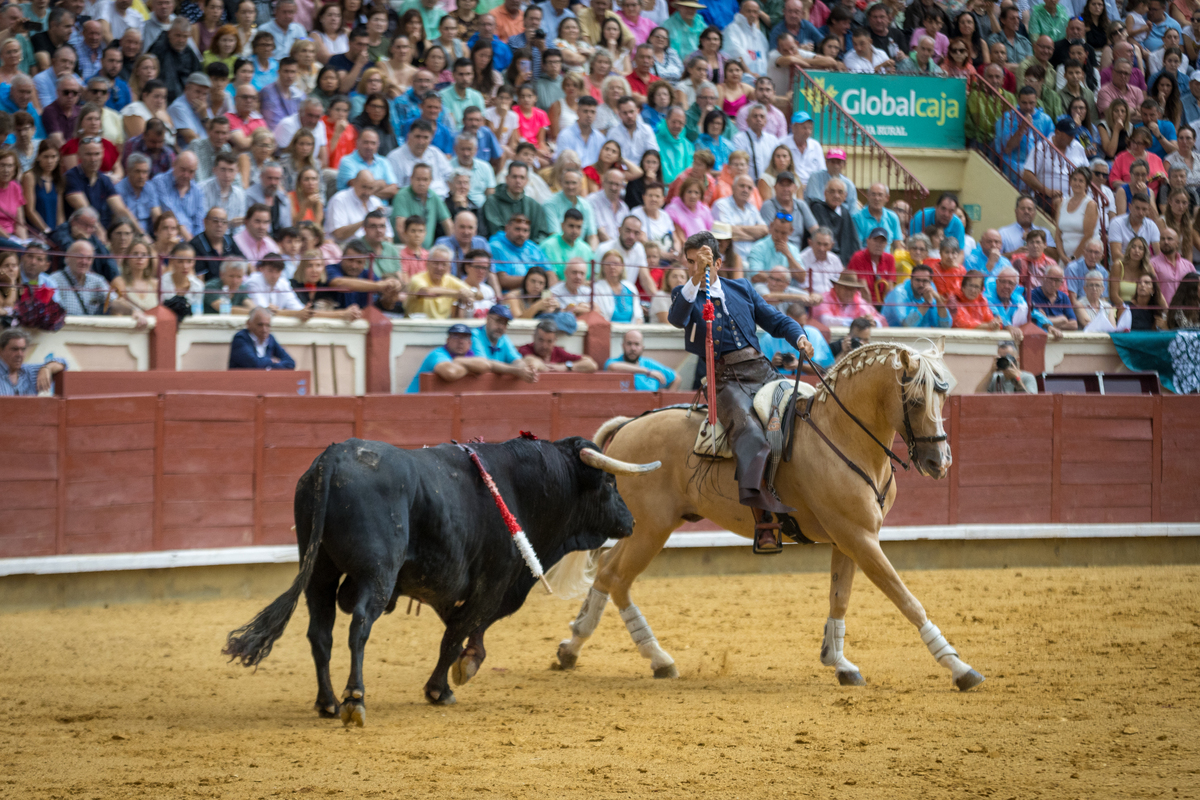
(1004, 362)
(539, 34)
(855, 342)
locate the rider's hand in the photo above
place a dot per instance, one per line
(703, 260)
(805, 346)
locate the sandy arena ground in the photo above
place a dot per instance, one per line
(1093, 688)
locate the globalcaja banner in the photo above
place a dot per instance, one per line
(898, 110)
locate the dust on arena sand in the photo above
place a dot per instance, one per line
(1092, 691)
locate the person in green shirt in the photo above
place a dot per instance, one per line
(984, 109)
(431, 15)
(685, 26)
(457, 98)
(570, 200)
(1049, 19)
(674, 150)
(416, 200)
(387, 255)
(562, 247)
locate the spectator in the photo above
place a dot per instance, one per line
(858, 335)
(481, 178)
(775, 250)
(509, 200)
(1170, 265)
(1013, 236)
(1120, 87)
(281, 99)
(513, 252)
(608, 205)
(987, 257)
(87, 186)
(942, 215)
(756, 140)
(152, 143)
(1032, 264)
(254, 241)
(456, 360)
(477, 266)
(786, 201)
(176, 59)
(254, 347)
(1076, 271)
(831, 213)
(84, 292)
(1123, 165)
(649, 375)
(544, 355)
(419, 199)
(224, 191)
(573, 293)
(843, 303)
(1077, 216)
(915, 303)
(637, 271)
(1007, 301)
(923, 60)
(244, 120)
(269, 288)
(972, 311)
(1184, 313)
(1138, 223)
(866, 57)
(1053, 302)
(780, 291)
(614, 297)
(267, 191)
(741, 214)
(874, 215)
(561, 247)
(176, 191)
(355, 280)
(213, 244)
(873, 263)
(1015, 137)
(631, 134)
(385, 259)
(61, 107)
(83, 226)
(820, 262)
(349, 208)
(189, 112)
(21, 379)
(1148, 309)
(433, 293)
(674, 148)
(783, 355)
(463, 237)
(1091, 302)
(227, 288)
(948, 269)
(835, 165)
(1007, 377)
(1047, 172)
(491, 339)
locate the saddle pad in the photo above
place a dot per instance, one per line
(711, 442)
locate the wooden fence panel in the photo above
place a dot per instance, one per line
(499, 417)
(1004, 452)
(1180, 466)
(29, 467)
(409, 421)
(580, 414)
(1106, 472)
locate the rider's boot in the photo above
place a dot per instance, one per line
(767, 538)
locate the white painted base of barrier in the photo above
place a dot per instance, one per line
(283, 554)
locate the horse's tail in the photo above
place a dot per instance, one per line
(252, 642)
(608, 430)
(574, 574)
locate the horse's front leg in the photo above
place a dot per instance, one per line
(864, 548)
(841, 582)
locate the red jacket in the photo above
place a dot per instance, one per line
(860, 264)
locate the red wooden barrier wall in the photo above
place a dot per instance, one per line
(183, 470)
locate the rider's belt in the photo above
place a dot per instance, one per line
(738, 356)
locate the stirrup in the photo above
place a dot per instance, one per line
(764, 521)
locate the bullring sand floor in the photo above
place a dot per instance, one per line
(1093, 689)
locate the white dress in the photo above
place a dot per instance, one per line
(1071, 227)
(336, 45)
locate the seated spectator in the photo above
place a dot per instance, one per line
(152, 143)
(615, 298)
(1012, 237)
(819, 261)
(843, 303)
(1170, 265)
(348, 208)
(176, 191)
(987, 256)
(1032, 264)
(972, 311)
(357, 283)
(1092, 301)
(226, 293)
(513, 252)
(21, 379)
(254, 347)
(268, 288)
(531, 300)
(688, 212)
(1139, 150)
(573, 293)
(780, 291)
(803, 223)
(254, 241)
(213, 244)
(835, 167)
(916, 302)
(179, 278)
(783, 355)
(831, 213)
(1162, 131)
(223, 191)
(1076, 271)
(419, 199)
(774, 250)
(1138, 223)
(1184, 313)
(568, 243)
(637, 271)
(1148, 308)
(491, 340)
(874, 263)
(377, 235)
(1007, 377)
(942, 215)
(88, 186)
(511, 199)
(859, 334)
(434, 292)
(660, 304)
(456, 360)
(464, 237)
(948, 269)
(83, 291)
(88, 126)
(134, 189)
(477, 269)
(874, 215)
(1007, 301)
(1051, 300)
(544, 355)
(649, 375)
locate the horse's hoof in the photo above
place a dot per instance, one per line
(851, 679)
(354, 713)
(566, 659)
(669, 671)
(969, 681)
(327, 711)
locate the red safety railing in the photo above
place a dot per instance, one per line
(867, 161)
(1042, 147)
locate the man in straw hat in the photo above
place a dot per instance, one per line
(740, 369)
(685, 26)
(844, 303)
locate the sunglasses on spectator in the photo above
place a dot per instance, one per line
(70, 92)
(92, 140)
(783, 216)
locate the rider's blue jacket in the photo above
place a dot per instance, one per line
(740, 311)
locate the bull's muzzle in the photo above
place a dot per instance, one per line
(594, 458)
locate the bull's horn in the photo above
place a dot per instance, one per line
(594, 458)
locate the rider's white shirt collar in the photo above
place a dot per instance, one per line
(716, 290)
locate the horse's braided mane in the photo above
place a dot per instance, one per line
(930, 368)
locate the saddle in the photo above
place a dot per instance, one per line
(770, 404)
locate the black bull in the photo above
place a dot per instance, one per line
(421, 523)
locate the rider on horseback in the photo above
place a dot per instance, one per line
(741, 370)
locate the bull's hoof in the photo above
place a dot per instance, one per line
(463, 670)
(354, 713)
(969, 681)
(439, 698)
(326, 710)
(669, 671)
(567, 659)
(851, 679)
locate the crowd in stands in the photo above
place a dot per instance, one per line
(547, 160)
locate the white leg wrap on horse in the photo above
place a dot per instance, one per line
(942, 651)
(590, 612)
(831, 646)
(643, 637)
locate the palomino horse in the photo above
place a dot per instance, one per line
(888, 387)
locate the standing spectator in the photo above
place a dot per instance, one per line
(915, 303)
(1007, 377)
(649, 375)
(843, 303)
(544, 355)
(254, 347)
(21, 379)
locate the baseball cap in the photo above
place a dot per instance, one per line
(878, 232)
(198, 79)
(1066, 125)
(458, 329)
(502, 311)
(835, 153)
(804, 116)
(785, 176)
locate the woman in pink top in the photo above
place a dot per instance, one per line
(12, 196)
(532, 122)
(690, 215)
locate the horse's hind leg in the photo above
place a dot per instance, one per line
(842, 569)
(868, 555)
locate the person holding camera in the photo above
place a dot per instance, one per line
(784, 357)
(860, 334)
(1007, 377)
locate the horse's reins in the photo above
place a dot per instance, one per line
(806, 416)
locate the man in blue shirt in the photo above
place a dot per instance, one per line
(18, 96)
(1093, 252)
(1160, 22)
(648, 374)
(366, 157)
(491, 340)
(501, 53)
(283, 30)
(1007, 300)
(21, 379)
(513, 253)
(916, 303)
(874, 215)
(988, 257)
(1161, 130)
(783, 356)
(1051, 300)
(942, 215)
(177, 191)
(1014, 131)
(431, 112)
(489, 146)
(456, 360)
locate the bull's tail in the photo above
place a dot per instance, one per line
(574, 574)
(252, 642)
(608, 430)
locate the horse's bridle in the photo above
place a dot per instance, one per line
(910, 439)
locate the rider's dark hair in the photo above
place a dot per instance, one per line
(698, 240)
